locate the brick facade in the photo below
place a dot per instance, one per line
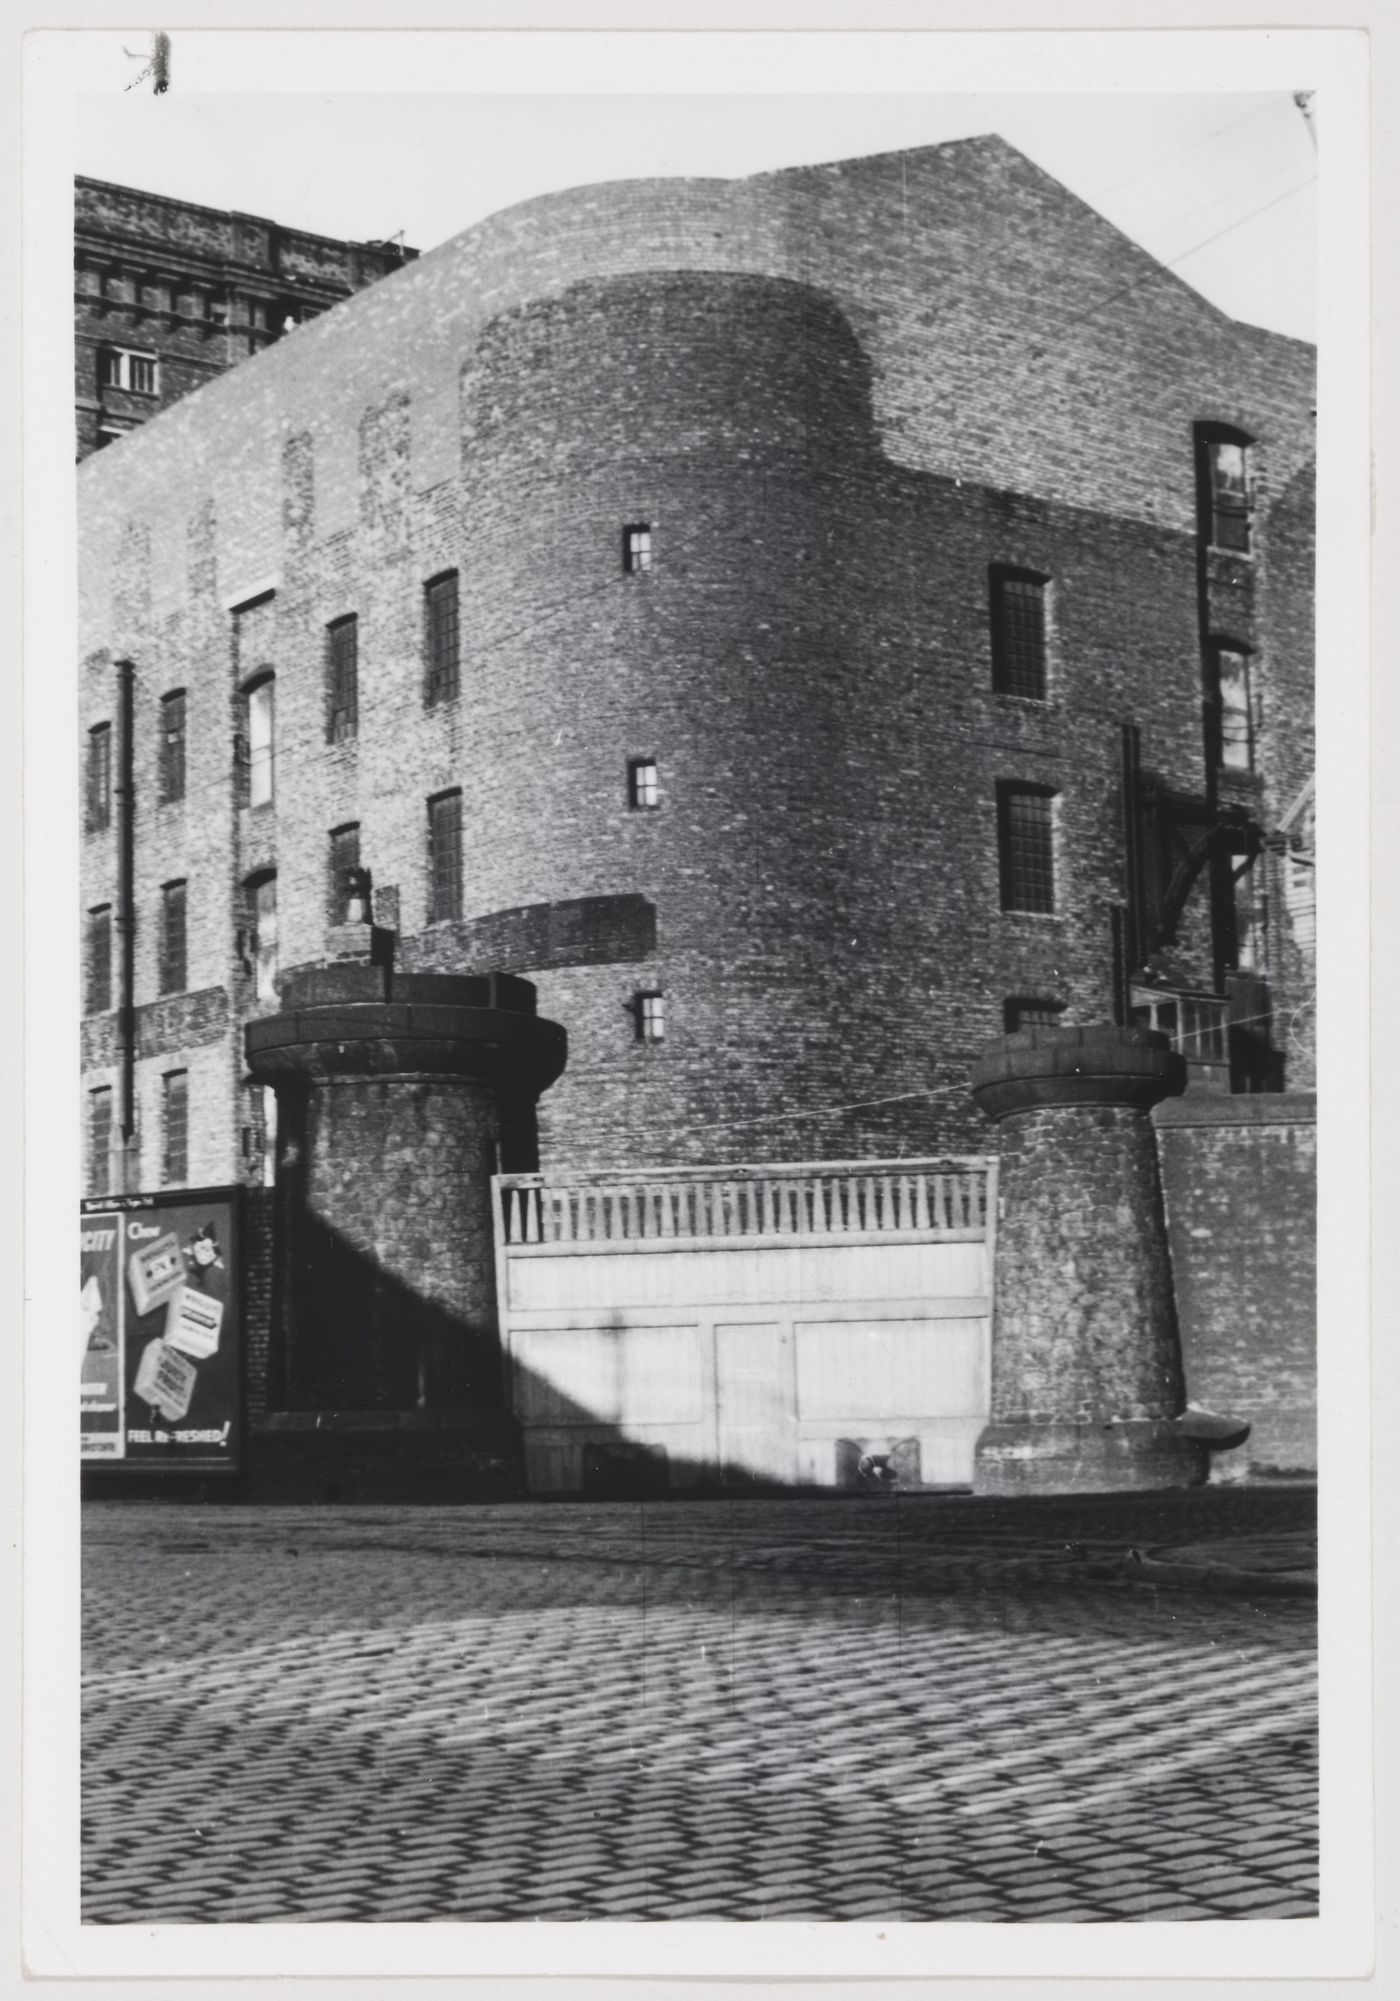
(837, 397)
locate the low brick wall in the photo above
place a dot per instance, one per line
(1239, 1179)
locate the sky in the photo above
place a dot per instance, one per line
(1221, 186)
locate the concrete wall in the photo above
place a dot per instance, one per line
(1239, 1178)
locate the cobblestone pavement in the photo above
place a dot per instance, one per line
(901, 1708)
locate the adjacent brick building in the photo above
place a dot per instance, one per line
(168, 294)
(804, 624)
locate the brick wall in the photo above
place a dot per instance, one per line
(1239, 1178)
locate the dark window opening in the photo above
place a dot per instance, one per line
(344, 857)
(99, 778)
(443, 638)
(262, 725)
(261, 893)
(173, 970)
(1028, 1012)
(1018, 633)
(98, 957)
(636, 547)
(444, 857)
(643, 783)
(172, 748)
(175, 1127)
(1026, 837)
(1229, 708)
(342, 679)
(99, 1140)
(1197, 1025)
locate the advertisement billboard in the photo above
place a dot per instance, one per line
(162, 1336)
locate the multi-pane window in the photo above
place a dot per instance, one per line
(444, 857)
(650, 1010)
(262, 910)
(442, 639)
(1229, 709)
(175, 1127)
(99, 778)
(636, 547)
(342, 679)
(643, 783)
(344, 855)
(1227, 491)
(123, 369)
(99, 1139)
(172, 747)
(1018, 633)
(1026, 837)
(98, 960)
(1025, 1011)
(262, 715)
(172, 938)
(1197, 1024)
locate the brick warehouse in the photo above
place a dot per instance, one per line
(805, 625)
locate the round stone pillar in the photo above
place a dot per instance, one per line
(1087, 1379)
(397, 1095)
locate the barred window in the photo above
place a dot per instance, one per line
(636, 547)
(98, 960)
(174, 1127)
(99, 778)
(651, 1017)
(1022, 1011)
(444, 857)
(172, 938)
(643, 783)
(262, 721)
(442, 636)
(261, 892)
(1224, 474)
(99, 1173)
(1026, 830)
(342, 679)
(172, 747)
(344, 856)
(1018, 632)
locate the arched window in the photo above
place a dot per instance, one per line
(1222, 473)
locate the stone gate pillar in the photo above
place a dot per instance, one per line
(1086, 1363)
(397, 1094)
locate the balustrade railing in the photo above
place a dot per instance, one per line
(923, 1198)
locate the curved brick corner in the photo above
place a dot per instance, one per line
(1076, 1066)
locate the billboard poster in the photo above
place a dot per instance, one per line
(162, 1335)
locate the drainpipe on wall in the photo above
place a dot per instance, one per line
(124, 800)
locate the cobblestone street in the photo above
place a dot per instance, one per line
(892, 1708)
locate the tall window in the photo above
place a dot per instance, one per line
(175, 1127)
(650, 1014)
(1018, 633)
(636, 547)
(445, 857)
(262, 697)
(643, 783)
(342, 679)
(99, 778)
(343, 855)
(99, 1139)
(1225, 482)
(1229, 710)
(98, 960)
(172, 747)
(442, 638)
(262, 910)
(172, 938)
(1026, 836)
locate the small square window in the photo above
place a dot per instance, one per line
(643, 783)
(651, 1017)
(636, 547)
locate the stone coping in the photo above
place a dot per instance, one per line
(1261, 1108)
